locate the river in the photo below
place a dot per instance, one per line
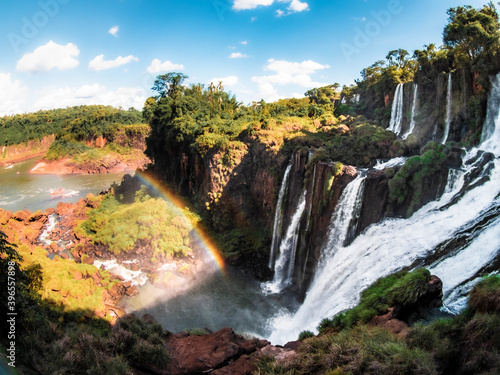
(21, 190)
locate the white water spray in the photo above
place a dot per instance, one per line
(397, 110)
(278, 216)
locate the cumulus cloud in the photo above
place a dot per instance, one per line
(297, 6)
(287, 73)
(157, 66)
(293, 7)
(48, 57)
(12, 95)
(114, 30)
(60, 97)
(237, 55)
(98, 63)
(250, 4)
(226, 81)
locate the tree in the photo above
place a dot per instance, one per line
(397, 57)
(168, 84)
(472, 32)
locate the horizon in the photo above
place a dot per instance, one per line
(259, 49)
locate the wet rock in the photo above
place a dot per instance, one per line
(5, 216)
(198, 354)
(21, 215)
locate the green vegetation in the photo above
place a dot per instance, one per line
(415, 178)
(402, 288)
(146, 222)
(467, 344)
(83, 122)
(58, 328)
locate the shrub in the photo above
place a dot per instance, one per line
(305, 335)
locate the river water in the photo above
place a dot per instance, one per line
(20, 190)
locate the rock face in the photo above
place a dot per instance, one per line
(222, 352)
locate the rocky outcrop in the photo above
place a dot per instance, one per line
(23, 226)
(398, 318)
(222, 352)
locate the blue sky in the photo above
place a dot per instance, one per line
(59, 53)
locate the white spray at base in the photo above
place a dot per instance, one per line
(393, 244)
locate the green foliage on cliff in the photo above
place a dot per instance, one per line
(82, 122)
(412, 180)
(402, 288)
(146, 222)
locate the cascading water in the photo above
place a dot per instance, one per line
(278, 216)
(469, 207)
(413, 112)
(397, 110)
(446, 132)
(491, 131)
(283, 269)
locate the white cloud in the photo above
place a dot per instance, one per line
(237, 55)
(226, 81)
(61, 97)
(157, 66)
(12, 95)
(114, 30)
(297, 6)
(286, 73)
(245, 42)
(98, 63)
(294, 7)
(49, 56)
(250, 4)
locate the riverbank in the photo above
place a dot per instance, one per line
(25, 151)
(109, 164)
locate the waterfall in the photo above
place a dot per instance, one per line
(448, 111)
(397, 110)
(343, 217)
(413, 111)
(490, 136)
(285, 263)
(469, 207)
(278, 216)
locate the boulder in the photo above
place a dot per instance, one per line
(199, 354)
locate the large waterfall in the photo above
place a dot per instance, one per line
(397, 110)
(468, 208)
(446, 132)
(413, 112)
(278, 216)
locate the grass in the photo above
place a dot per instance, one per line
(147, 221)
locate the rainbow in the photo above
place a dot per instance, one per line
(201, 234)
